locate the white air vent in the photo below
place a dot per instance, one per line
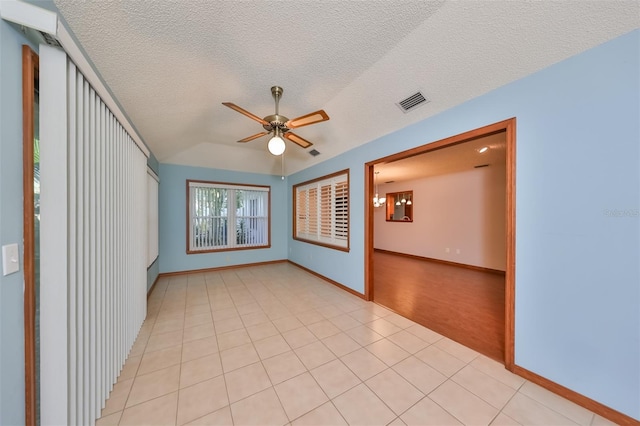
(412, 102)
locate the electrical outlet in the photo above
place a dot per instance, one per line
(447, 250)
(457, 251)
(10, 259)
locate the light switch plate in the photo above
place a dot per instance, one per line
(10, 259)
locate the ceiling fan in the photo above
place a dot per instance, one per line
(280, 125)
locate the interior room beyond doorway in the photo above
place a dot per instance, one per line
(445, 268)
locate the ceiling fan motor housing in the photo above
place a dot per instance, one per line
(275, 121)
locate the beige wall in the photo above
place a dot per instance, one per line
(463, 212)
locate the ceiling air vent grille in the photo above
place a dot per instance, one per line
(412, 102)
(314, 152)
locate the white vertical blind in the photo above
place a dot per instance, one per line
(57, 382)
(104, 214)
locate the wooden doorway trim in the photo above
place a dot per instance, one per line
(507, 126)
(30, 73)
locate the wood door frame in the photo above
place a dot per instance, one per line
(509, 127)
(30, 72)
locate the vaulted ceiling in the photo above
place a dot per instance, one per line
(172, 63)
(453, 159)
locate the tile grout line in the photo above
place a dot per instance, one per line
(268, 291)
(480, 396)
(440, 385)
(269, 377)
(292, 350)
(548, 407)
(410, 384)
(507, 403)
(224, 378)
(137, 369)
(181, 351)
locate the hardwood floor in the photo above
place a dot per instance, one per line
(463, 304)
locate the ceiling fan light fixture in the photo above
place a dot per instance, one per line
(280, 125)
(276, 145)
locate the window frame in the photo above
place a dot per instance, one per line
(153, 191)
(319, 220)
(227, 186)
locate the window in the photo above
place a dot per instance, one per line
(152, 217)
(226, 216)
(321, 211)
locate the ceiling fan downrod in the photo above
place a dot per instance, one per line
(277, 92)
(276, 120)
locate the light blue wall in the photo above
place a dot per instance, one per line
(152, 273)
(345, 268)
(172, 211)
(11, 286)
(577, 268)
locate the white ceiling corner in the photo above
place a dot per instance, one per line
(171, 64)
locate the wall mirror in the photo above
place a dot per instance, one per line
(400, 206)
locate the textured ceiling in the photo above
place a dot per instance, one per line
(452, 159)
(171, 64)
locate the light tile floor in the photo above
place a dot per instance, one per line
(275, 345)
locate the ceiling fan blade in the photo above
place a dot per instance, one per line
(305, 120)
(256, 136)
(297, 140)
(245, 112)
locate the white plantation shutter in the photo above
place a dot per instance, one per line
(313, 211)
(341, 210)
(326, 211)
(302, 207)
(322, 211)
